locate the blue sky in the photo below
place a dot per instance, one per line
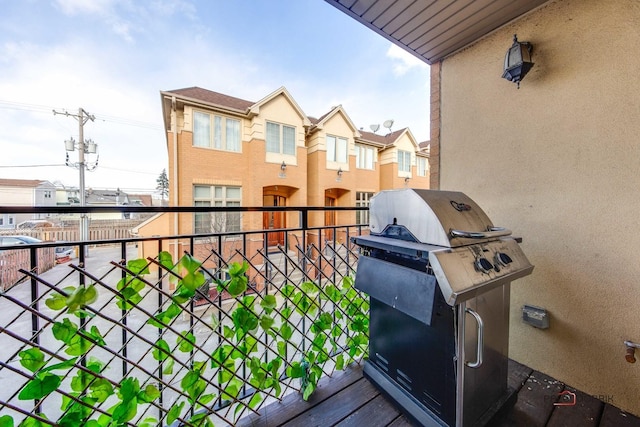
(113, 57)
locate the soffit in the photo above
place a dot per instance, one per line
(434, 29)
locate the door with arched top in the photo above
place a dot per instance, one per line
(274, 220)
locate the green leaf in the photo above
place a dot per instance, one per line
(340, 362)
(32, 422)
(232, 390)
(129, 388)
(237, 285)
(165, 317)
(308, 390)
(81, 381)
(174, 412)
(183, 294)
(296, 370)
(162, 350)
(266, 322)
(309, 288)
(125, 411)
(149, 394)
(193, 281)
(206, 398)
(6, 421)
(190, 264)
(64, 331)
(101, 389)
(56, 301)
(237, 269)
(32, 359)
(282, 348)
(200, 420)
(244, 321)
(268, 303)
(255, 400)
(40, 386)
(186, 341)
(168, 367)
(148, 422)
(138, 266)
(286, 331)
(166, 260)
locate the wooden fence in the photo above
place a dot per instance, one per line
(13, 260)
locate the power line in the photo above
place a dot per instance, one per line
(12, 105)
(29, 166)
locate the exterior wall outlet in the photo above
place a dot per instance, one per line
(535, 316)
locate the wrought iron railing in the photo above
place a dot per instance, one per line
(201, 336)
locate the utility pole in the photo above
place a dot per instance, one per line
(84, 147)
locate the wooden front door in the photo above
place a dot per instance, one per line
(329, 217)
(274, 220)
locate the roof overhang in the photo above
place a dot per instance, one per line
(434, 29)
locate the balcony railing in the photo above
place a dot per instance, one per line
(190, 329)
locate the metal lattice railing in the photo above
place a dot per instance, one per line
(187, 341)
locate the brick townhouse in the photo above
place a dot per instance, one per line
(226, 151)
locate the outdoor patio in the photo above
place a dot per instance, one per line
(230, 333)
(349, 399)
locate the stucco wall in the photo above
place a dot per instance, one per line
(558, 162)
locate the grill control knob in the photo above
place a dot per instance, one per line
(483, 265)
(503, 259)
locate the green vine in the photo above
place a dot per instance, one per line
(335, 314)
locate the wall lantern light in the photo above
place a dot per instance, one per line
(406, 180)
(283, 166)
(517, 61)
(339, 172)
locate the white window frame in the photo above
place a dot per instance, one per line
(422, 166)
(220, 135)
(404, 161)
(363, 199)
(365, 157)
(285, 140)
(337, 149)
(217, 196)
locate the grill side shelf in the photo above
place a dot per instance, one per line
(407, 290)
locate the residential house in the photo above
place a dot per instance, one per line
(555, 160)
(24, 192)
(225, 151)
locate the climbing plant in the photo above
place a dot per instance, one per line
(261, 344)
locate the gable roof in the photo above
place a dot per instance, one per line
(282, 91)
(382, 140)
(212, 98)
(28, 183)
(318, 124)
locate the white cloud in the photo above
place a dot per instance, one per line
(403, 60)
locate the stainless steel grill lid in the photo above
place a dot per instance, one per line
(467, 253)
(442, 218)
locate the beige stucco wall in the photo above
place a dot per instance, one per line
(558, 162)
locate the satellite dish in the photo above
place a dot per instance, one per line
(374, 128)
(388, 124)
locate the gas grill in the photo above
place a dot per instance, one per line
(438, 275)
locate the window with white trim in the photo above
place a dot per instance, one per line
(404, 161)
(336, 149)
(217, 196)
(364, 157)
(422, 166)
(211, 131)
(362, 200)
(281, 139)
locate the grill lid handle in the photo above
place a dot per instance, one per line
(491, 234)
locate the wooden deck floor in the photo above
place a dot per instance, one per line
(348, 399)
